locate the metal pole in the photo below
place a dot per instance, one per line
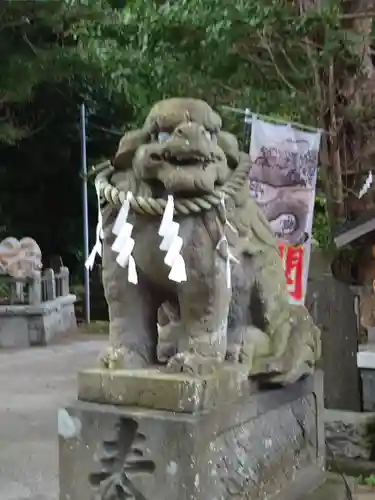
(85, 211)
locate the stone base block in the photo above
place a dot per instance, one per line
(264, 445)
(158, 389)
(25, 325)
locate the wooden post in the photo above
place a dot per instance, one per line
(20, 289)
(35, 290)
(64, 273)
(13, 292)
(49, 284)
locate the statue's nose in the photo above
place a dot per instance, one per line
(192, 135)
(183, 133)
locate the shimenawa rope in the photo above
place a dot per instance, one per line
(182, 206)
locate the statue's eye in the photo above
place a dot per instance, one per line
(163, 136)
(208, 134)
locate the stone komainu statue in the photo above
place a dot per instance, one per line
(181, 150)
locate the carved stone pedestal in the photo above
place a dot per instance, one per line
(151, 435)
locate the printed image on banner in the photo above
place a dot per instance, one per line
(282, 180)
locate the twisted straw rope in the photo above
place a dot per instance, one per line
(183, 206)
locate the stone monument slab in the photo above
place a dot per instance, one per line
(265, 445)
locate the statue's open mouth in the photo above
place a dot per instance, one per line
(184, 160)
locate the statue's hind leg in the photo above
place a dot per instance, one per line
(247, 345)
(169, 331)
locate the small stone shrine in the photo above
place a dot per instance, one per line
(207, 389)
(35, 305)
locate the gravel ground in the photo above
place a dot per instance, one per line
(34, 384)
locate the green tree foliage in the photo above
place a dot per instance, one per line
(262, 55)
(122, 56)
(36, 49)
(266, 56)
(43, 80)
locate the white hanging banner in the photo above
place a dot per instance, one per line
(283, 180)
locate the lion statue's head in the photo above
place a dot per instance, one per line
(180, 149)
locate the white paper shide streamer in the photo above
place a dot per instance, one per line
(172, 244)
(124, 243)
(366, 186)
(229, 257)
(97, 249)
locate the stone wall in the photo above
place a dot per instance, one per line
(350, 434)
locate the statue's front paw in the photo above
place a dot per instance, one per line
(165, 351)
(121, 358)
(193, 363)
(112, 358)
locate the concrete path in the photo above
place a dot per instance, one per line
(34, 383)
(362, 493)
